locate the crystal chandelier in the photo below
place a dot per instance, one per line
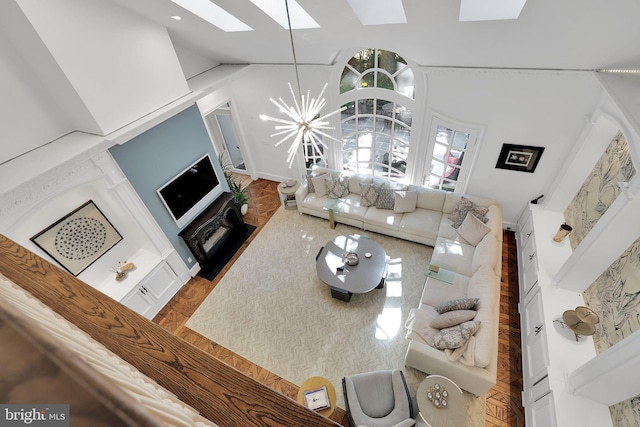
(303, 122)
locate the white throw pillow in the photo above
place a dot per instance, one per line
(472, 229)
(319, 184)
(405, 201)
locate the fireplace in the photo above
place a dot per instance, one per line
(212, 233)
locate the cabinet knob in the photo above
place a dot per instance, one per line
(529, 234)
(537, 329)
(142, 290)
(532, 256)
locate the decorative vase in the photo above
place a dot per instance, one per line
(562, 233)
(244, 209)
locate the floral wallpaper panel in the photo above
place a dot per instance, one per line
(600, 189)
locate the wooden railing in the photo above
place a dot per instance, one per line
(218, 391)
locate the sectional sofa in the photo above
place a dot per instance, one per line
(466, 234)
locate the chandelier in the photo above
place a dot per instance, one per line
(303, 123)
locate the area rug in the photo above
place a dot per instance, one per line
(271, 308)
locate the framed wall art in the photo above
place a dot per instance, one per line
(522, 158)
(78, 239)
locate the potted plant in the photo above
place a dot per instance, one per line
(239, 195)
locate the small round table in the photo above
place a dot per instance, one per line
(454, 415)
(288, 194)
(317, 382)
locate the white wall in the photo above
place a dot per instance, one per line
(540, 108)
(121, 65)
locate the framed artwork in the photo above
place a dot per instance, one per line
(522, 158)
(78, 239)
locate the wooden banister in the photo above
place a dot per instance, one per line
(218, 391)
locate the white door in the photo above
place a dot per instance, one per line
(226, 137)
(451, 147)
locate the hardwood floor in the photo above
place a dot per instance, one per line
(504, 401)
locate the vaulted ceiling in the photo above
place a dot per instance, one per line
(548, 34)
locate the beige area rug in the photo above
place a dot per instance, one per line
(271, 308)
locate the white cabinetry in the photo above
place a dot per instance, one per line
(147, 288)
(549, 351)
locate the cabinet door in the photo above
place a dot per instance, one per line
(525, 233)
(541, 413)
(138, 300)
(534, 341)
(529, 280)
(160, 280)
(528, 254)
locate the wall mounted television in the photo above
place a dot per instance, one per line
(186, 194)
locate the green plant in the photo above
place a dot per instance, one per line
(239, 195)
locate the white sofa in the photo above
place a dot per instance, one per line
(477, 272)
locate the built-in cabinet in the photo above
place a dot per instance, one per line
(550, 351)
(145, 289)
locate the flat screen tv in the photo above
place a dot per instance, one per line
(186, 194)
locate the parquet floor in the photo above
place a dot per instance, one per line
(504, 405)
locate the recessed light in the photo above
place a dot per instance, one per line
(176, 17)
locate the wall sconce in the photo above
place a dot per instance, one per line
(562, 233)
(581, 321)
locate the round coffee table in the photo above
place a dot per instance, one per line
(454, 415)
(314, 383)
(345, 280)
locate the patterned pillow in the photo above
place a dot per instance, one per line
(452, 318)
(465, 206)
(310, 186)
(337, 187)
(369, 194)
(455, 336)
(386, 198)
(457, 304)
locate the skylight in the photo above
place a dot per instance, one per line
(277, 11)
(490, 10)
(379, 12)
(213, 14)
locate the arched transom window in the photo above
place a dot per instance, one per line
(378, 89)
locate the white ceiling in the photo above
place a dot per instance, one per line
(548, 34)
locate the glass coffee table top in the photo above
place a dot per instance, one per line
(443, 272)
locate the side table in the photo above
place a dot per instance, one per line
(288, 194)
(454, 415)
(317, 382)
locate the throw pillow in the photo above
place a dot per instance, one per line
(472, 229)
(461, 209)
(369, 194)
(452, 318)
(310, 186)
(405, 201)
(457, 304)
(455, 336)
(386, 198)
(337, 187)
(319, 184)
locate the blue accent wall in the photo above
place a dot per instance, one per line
(154, 157)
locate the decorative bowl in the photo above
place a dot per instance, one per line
(351, 258)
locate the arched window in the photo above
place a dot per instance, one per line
(378, 89)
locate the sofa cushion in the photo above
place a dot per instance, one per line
(461, 209)
(418, 328)
(369, 194)
(437, 292)
(405, 201)
(494, 221)
(337, 187)
(319, 185)
(454, 253)
(382, 218)
(421, 222)
(485, 286)
(487, 253)
(457, 304)
(452, 318)
(355, 180)
(429, 198)
(351, 207)
(472, 229)
(455, 336)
